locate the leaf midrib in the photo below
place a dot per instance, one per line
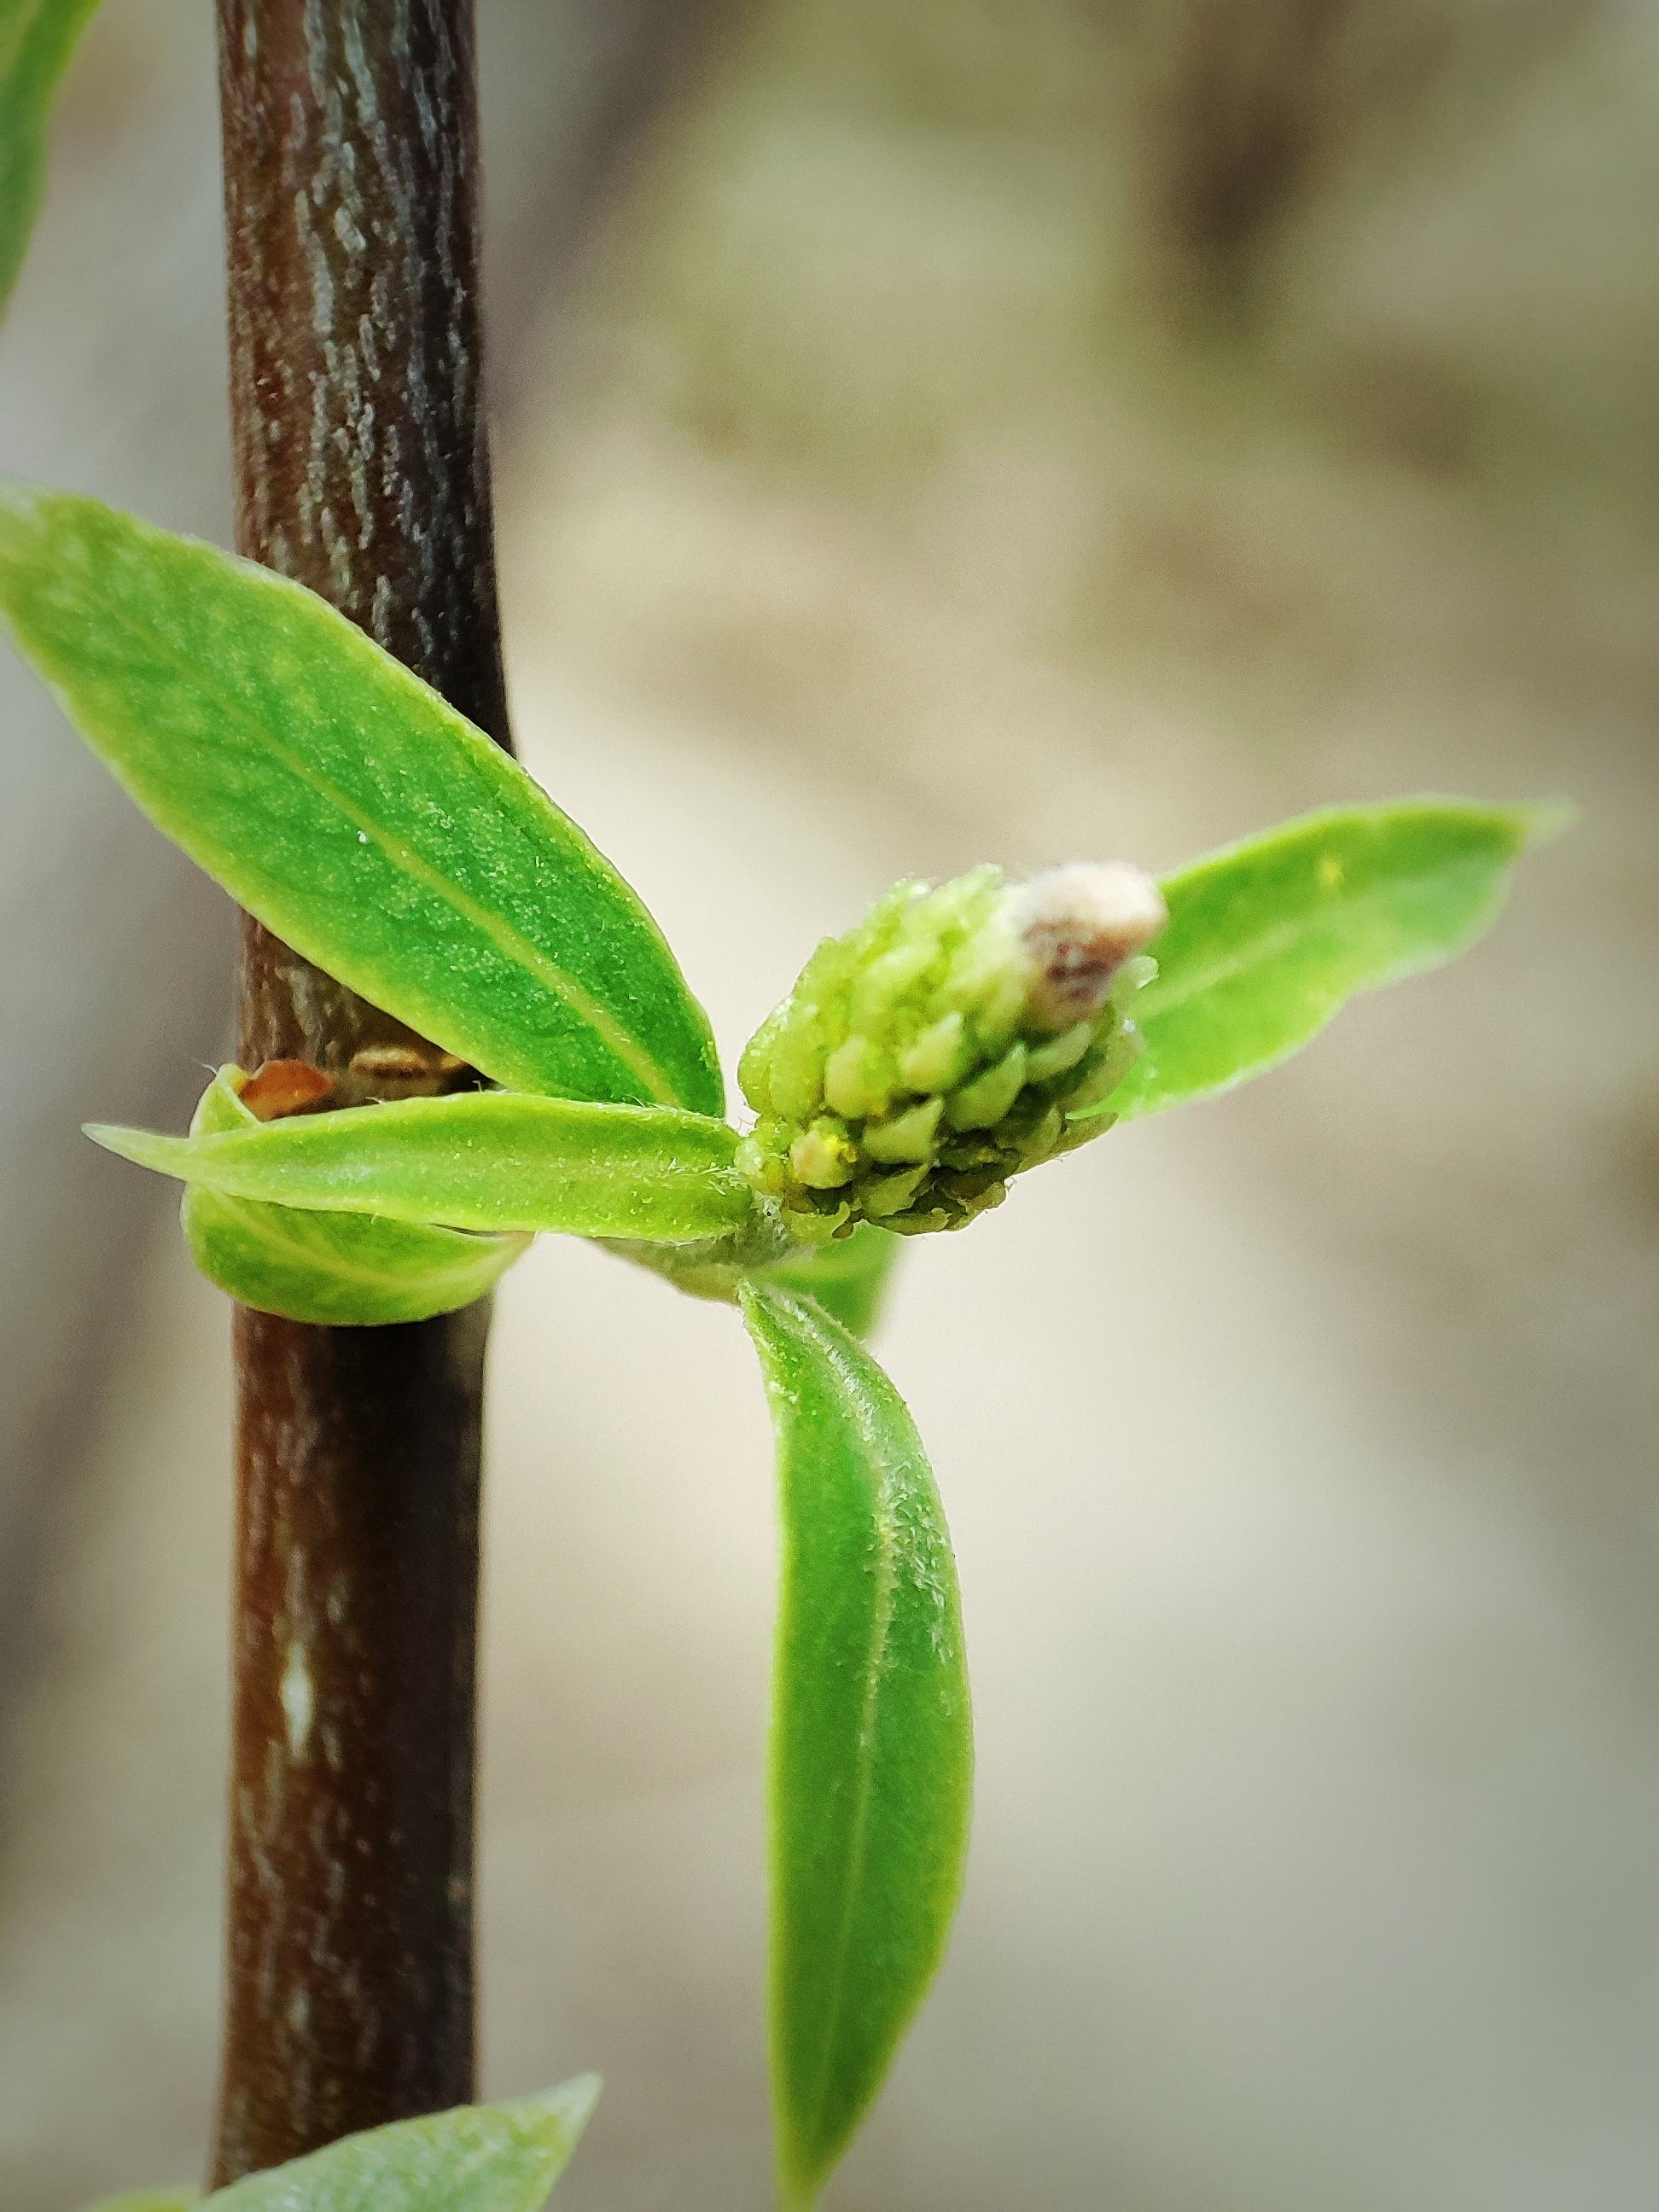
(323, 1147)
(341, 1185)
(881, 1628)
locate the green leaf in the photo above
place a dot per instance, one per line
(37, 40)
(496, 1160)
(1267, 940)
(150, 2200)
(849, 1280)
(337, 1268)
(871, 1754)
(343, 802)
(478, 2158)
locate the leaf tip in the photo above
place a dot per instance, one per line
(558, 2116)
(19, 503)
(113, 1137)
(145, 1148)
(796, 2193)
(572, 2102)
(1543, 824)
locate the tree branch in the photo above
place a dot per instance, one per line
(351, 192)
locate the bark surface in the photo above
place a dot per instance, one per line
(352, 191)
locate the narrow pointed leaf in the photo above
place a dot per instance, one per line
(355, 1269)
(343, 802)
(872, 1742)
(478, 2158)
(495, 1160)
(849, 1280)
(37, 40)
(1267, 940)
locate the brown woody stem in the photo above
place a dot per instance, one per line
(352, 192)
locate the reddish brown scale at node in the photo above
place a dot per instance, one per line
(285, 1086)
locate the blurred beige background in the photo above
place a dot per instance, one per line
(930, 435)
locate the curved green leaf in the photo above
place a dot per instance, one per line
(341, 1269)
(872, 1756)
(1266, 940)
(495, 1160)
(849, 1279)
(342, 801)
(37, 40)
(478, 2158)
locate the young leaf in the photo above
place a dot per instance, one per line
(872, 1744)
(495, 1160)
(355, 1269)
(37, 40)
(1267, 939)
(343, 803)
(150, 2200)
(849, 1280)
(478, 2158)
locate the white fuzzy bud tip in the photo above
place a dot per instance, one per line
(1078, 925)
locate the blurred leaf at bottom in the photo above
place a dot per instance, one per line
(478, 2158)
(150, 2200)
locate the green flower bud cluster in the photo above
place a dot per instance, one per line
(943, 1045)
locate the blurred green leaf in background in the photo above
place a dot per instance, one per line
(37, 40)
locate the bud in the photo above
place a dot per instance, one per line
(941, 1046)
